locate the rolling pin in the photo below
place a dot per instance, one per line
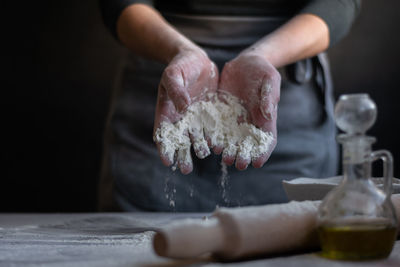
(232, 233)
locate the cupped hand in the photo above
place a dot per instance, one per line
(188, 78)
(252, 79)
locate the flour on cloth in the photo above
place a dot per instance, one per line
(219, 121)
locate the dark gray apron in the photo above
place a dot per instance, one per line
(133, 177)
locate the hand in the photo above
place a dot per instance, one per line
(252, 79)
(188, 78)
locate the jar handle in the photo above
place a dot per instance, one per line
(387, 159)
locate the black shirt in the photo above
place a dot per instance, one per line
(338, 14)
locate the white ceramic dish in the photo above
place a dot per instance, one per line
(302, 188)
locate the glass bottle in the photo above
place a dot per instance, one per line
(357, 220)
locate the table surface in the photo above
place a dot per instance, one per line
(118, 239)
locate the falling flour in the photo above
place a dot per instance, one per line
(170, 191)
(224, 182)
(218, 120)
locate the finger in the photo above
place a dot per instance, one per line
(270, 95)
(173, 81)
(184, 160)
(165, 111)
(167, 154)
(216, 147)
(214, 78)
(261, 153)
(214, 71)
(229, 154)
(259, 120)
(266, 105)
(166, 149)
(200, 146)
(242, 162)
(243, 157)
(260, 161)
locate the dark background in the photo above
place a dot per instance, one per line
(60, 61)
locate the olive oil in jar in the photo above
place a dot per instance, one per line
(357, 220)
(357, 242)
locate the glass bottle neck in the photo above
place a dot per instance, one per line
(356, 156)
(357, 171)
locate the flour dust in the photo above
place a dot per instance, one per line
(170, 190)
(223, 182)
(222, 120)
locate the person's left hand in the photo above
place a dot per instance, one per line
(252, 79)
(188, 78)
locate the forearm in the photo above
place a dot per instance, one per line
(144, 31)
(303, 36)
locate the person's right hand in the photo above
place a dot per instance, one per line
(256, 82)
(188, 78)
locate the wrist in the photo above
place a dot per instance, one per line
(262, 51)
(254, 54)
(182, 46)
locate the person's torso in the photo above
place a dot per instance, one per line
(232, 7)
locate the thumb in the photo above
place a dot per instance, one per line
(266, 104)
(173, 82)
(269, 97)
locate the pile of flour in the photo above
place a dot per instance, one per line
(219, 121)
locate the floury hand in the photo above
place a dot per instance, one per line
(250, 78)
(256, 82)
(188, 78)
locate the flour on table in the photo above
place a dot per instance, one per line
(219, 121)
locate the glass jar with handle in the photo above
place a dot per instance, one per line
(357, 220)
